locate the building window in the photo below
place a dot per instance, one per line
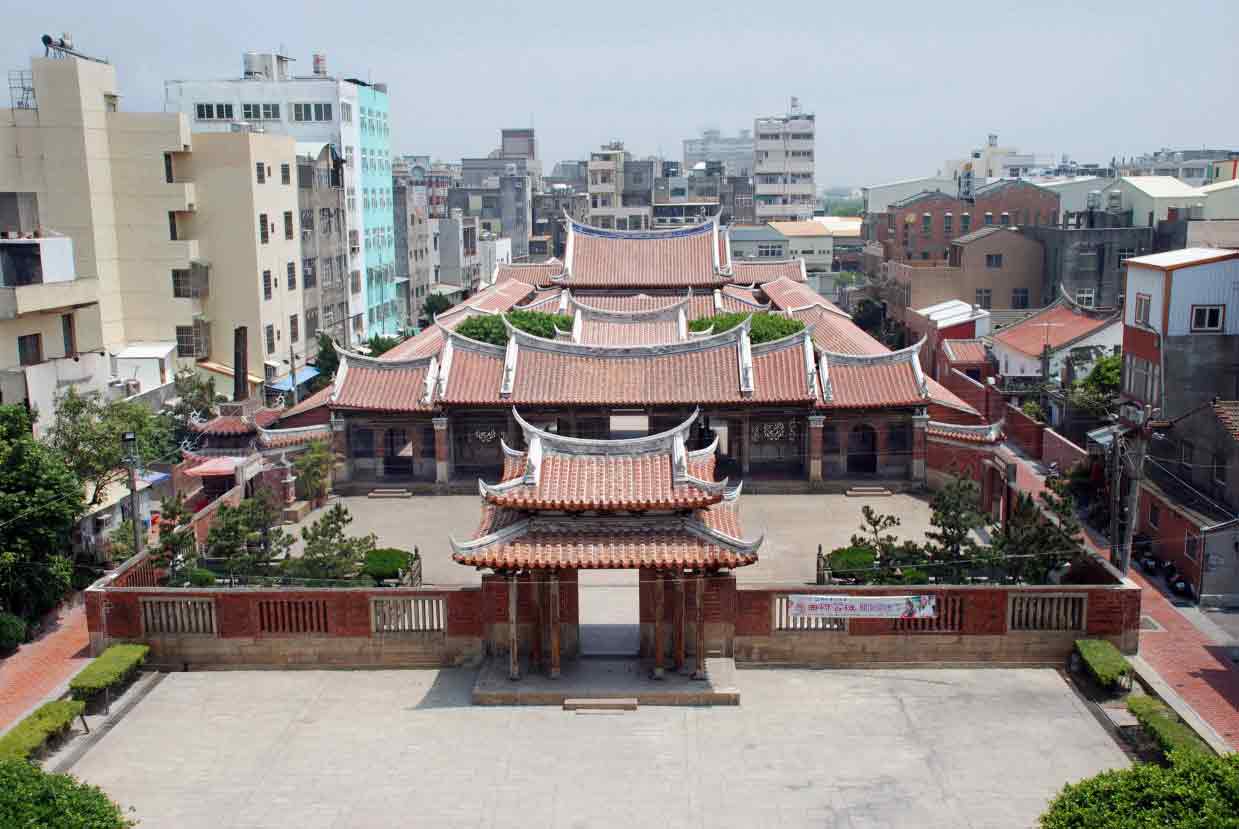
(769, 250)
(1019, 297)
(182, 284)
(167, 168)
(185, 341)
(989, 219)
(264, 230)
(927, 223)
(363, 443)
(985, 297)
(1125, 254)
(308, 277)
(1005, 219)
(286, 174)
(213, 112)
(288, 224)
(270, 339)
(172, 225)
(346, 112)
(271, 112)
(266, 284)
(1085, 297)
(261, 171)
(965, 223)
(1155, 516)
(311, 323)
(292, 276)
(993, 260)
(294, 328)
(948, 223)
(303, 112)
(322, 112)
(1208, 318)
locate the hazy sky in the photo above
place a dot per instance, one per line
(897, 86)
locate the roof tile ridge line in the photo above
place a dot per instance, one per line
(563, 275)
(739, 545)
(668, 309)
(536, 343)
(891, 357)
(1090, 311)
(337, 382)
(678, 232)
(507, 380)
(826, 305)
(469, 344)
(445, 367)
(823, 370)
(991, 430)
(502, 534)
(289, 430)
(432, 380)
(566, 445)
(679, 469)
(782, 342)
(732, 495)
(921, 383)
(529, 306)
(378, 362)
(705, 451)
(744, 354)
(681, 324)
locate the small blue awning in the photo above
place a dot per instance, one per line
(303, 374)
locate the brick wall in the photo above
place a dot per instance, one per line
(1056, 448)
(1026, 432)
(967, 390)
(1170, 535)
(205, 517)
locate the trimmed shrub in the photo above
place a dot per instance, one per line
(764, 328)
(114, 666)
(489, 328)
(200, 577)
(385, 563)
(1104, 663)
(1194, 791)
(846, 560)
(31, 797)
(1169, 732)
(12, 632)
(50, 720)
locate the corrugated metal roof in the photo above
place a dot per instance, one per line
(1183, 258)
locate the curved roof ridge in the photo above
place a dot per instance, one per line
(705, 451)
(347, 355)
(906, 354)
(706, 533)
(593, 312)
(988, 431)
(577, 226)
(566, 445)
(459, 340)
(724, 338)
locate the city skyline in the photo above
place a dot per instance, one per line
(455, 88)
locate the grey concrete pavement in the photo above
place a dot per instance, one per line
(847, 748)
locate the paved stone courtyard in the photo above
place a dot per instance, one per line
(846, 748)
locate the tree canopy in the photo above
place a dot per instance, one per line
(435, 304)
(40, 500)
(765, 327)
(489, 328)
(327, 552)
(378, 344)
(248, 535)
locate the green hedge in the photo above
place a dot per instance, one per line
(12, 632)
(1103, 662)
(765, 327)
(1165, 727)
(846, 561)
(114, 666)
(30, 797)
(1194, 791)
(51, 720)
(201, 577)
(385, 563)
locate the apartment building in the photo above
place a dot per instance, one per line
(1181, 370)
(1191, 167)
(322, 183)
(347, 112)
(459, 261)
(784, 186)
(734, 152)
(621, 189)
(498, 192)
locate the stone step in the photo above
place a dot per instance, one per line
(600, 704)
(389, 493)
(868, 492)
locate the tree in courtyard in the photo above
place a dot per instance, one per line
(313, 469)
(327, 360)
(195, 400)
(956, 515)
(434, 305)
(327, 552)
(88, 432)
(1032, 408)
(875, 525)
(870, 317)
(247, 536)
(40, 500)
(1098, 392)
(1040, 535)
(378, 344)
(176, 547)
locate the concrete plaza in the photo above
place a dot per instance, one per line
(846, 748)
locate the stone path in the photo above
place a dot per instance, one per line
(1193, 663)
(40, 669)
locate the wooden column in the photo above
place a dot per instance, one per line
(681, 598)
(514, 654)
(554, 621)
(535, 655)
(700, 673)
(658, 625)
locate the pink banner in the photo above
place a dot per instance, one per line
(863, 607)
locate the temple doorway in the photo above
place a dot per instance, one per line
(609, 612)
(862, 451)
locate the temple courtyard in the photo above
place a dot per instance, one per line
(845, 748)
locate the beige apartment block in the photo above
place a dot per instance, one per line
(248, 229)
(993, 268)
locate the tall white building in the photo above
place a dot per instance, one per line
(350, 114)
(736, 152)
(784, 150)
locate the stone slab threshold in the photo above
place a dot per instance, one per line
(598, 680)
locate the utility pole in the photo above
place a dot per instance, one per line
(130, 441)
(1139, 445)
(1116, 504)
(292, 370)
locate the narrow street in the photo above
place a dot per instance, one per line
(40, 669)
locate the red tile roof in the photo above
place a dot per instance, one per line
(989, 433)
(630, 303)
(722, 249)
(736, 299)
(873, 386)
(759, 273)
(1057, 325)
(501, 297)
(838, 334)
(380, 385)
(230, 425)
(1227, 412)
(965, 351)
(539, 274)
(786, 295)
(939, 393)
(655, 259)
(595, 331)
(319, 398)
(279, 438)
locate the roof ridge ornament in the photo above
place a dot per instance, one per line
(563, 444)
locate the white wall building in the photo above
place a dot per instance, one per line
(1152, 198)
(784, 166)
(493, 251)
(877, 197)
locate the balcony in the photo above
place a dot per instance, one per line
(37, 275)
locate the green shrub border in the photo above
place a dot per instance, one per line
(50, 720)
(1164, 726)
(31, 797)
(1104, 663)
(114, 666)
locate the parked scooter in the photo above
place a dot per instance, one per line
(1052, 472)
(1180, 586)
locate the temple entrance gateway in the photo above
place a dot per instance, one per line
(862, 451)
(609, 612)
